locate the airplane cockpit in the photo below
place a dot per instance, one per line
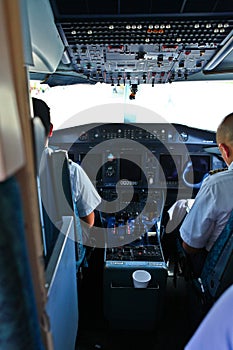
(140, 162)
(136, 91)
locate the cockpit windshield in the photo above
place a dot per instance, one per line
(196, 104)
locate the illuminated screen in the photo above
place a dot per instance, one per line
(91, 165)
(201, 166)
(170, 167)
(129, 168)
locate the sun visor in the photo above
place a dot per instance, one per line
(45, 44)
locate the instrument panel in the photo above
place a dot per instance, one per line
(140, 155)
(138, 169)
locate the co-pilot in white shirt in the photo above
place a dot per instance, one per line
(210, 211)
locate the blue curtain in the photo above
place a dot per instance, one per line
(19, 328)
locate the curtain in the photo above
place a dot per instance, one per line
(19, 328)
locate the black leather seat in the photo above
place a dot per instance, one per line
(57, 200)
(217, 272)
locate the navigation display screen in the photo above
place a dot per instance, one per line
(170, 167)
(201, 167)
(130, 169)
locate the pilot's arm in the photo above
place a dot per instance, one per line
(89, 219)
(85, 196)
(189, 249)
(198, 226)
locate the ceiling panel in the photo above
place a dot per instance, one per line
(126, 42)
(122, 7)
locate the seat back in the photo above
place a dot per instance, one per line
(217, 272)
(64, 198)
(57, 201)
(61, 273)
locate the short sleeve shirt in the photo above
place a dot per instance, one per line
(84, 193)
(210, 211)
(216, 330)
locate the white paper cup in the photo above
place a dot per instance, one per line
(141, 278)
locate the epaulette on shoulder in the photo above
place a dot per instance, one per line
(215, 171)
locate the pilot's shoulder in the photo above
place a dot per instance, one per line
(216, 171)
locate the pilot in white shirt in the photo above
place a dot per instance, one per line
(210, 211)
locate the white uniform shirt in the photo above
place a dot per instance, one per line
(84, 193)
(216, 330)
(210, 211)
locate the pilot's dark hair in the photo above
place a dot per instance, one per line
(41, 110)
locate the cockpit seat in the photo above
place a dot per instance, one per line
(57, 200)
(217, 274)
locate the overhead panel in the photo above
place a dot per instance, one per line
(143, 50)
(118, 42)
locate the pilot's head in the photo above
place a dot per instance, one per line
(224, 138)
(42, 111)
